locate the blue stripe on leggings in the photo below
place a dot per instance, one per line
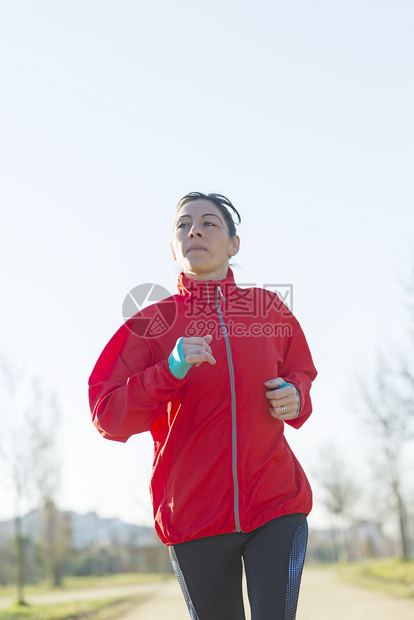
(296, 561)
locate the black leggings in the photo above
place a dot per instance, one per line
(209, 571)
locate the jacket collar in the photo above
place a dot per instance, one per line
(198, 288)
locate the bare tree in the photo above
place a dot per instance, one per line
(25, 448)
(57, 537)
(387, 410)
(15, 460)
(405, 366)
(56, 525)
(340, 494)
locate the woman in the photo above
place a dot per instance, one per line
(215, 389)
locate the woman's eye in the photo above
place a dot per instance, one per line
(185, 224)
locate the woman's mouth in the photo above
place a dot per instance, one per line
(195, 248)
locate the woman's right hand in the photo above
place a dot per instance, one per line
(198, 350)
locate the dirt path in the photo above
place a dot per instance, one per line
(168, 603)
(323, 597)
(94, 594)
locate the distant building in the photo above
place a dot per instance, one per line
(86, 530)
(130, 547)
(363, 540)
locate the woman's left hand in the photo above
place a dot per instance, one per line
(284, 401)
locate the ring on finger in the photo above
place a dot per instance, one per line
(283, 410)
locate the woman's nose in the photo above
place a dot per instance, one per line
(195, 231)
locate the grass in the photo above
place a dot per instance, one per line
(103, 609)
(82, 583)
(393, 576)
(121, 579)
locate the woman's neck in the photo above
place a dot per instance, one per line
(203, 277)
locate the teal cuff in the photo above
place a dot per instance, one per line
(297, 392)
(178, 366)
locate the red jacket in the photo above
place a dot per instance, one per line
(221, 461)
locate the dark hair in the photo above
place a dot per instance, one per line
(221, 202)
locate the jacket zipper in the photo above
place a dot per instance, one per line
(233, 410)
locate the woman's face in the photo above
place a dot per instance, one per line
(201, 242)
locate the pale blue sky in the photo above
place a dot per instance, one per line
(300, 112)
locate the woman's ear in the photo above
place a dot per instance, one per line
(236, 245)
(172, 252)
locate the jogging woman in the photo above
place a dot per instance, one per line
(214, 372)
